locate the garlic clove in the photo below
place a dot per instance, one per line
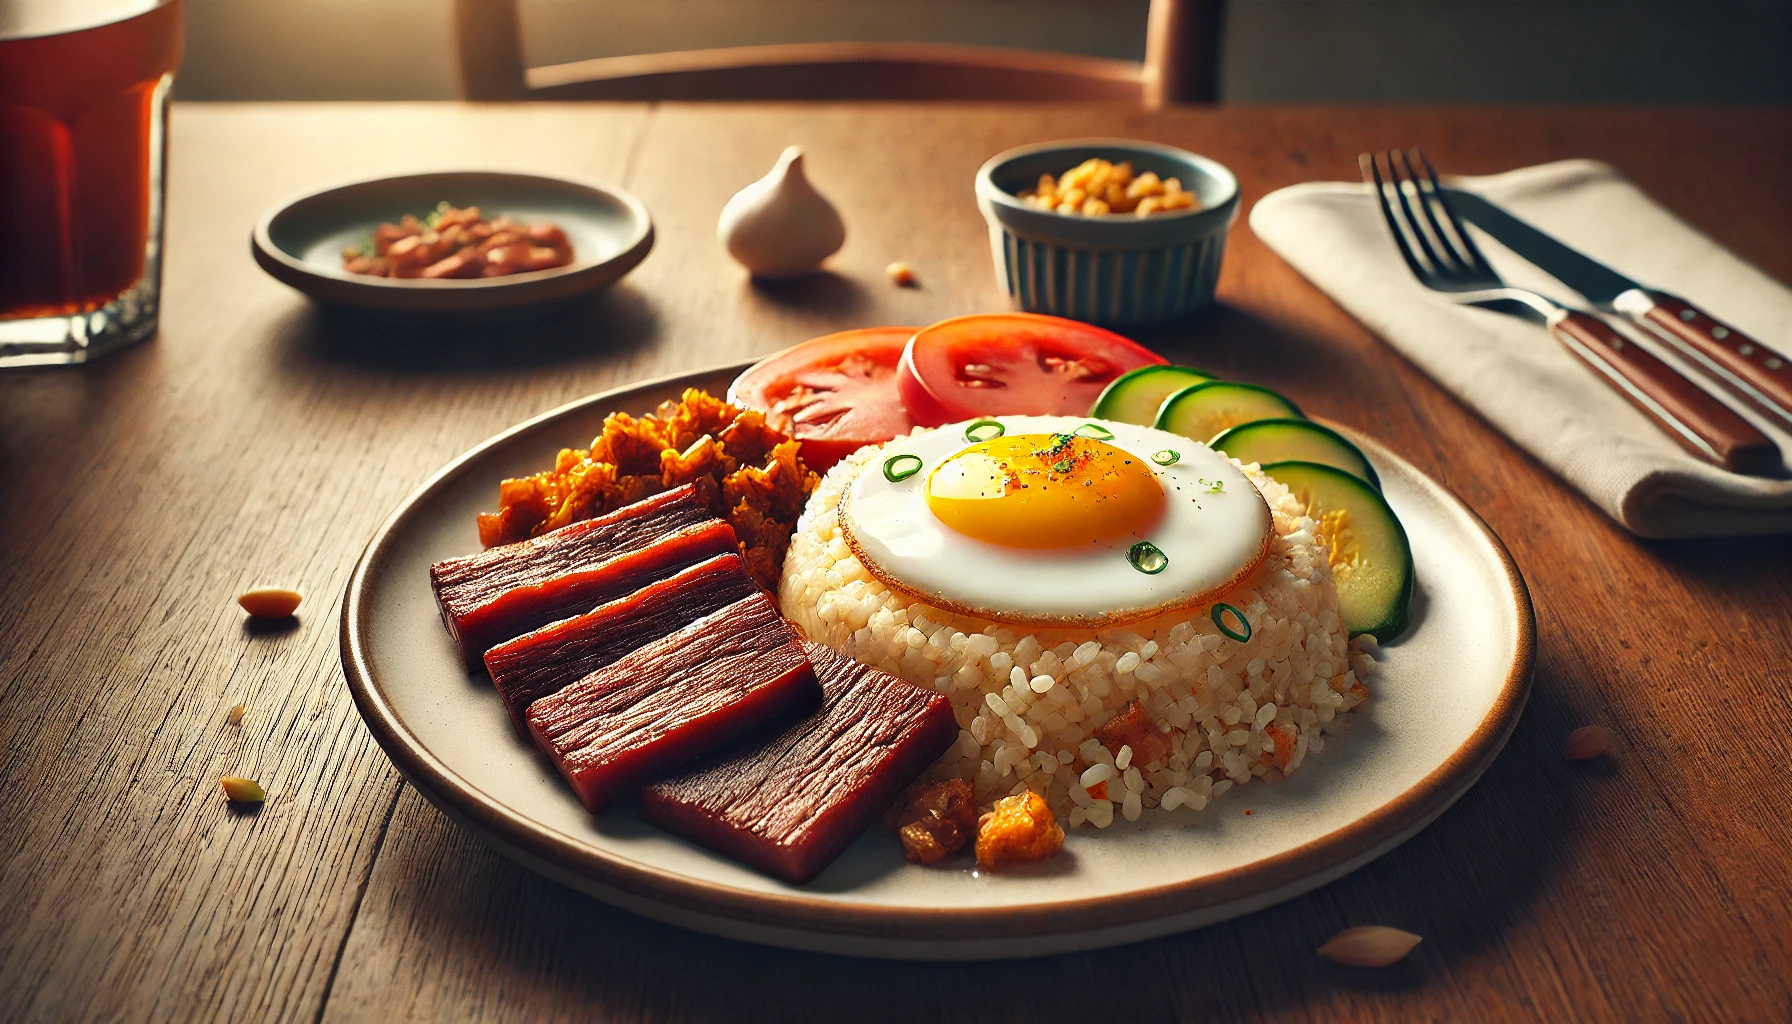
(780, 226)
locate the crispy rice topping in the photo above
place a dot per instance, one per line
(751, 474)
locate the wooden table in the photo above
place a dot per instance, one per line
(260, 439)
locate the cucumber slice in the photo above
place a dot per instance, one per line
(1267, 441)
(1370, 556)
(1204, 410)
(1134, 396)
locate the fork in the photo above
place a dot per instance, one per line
(1444, 258)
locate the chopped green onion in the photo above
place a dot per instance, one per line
(900, 467)
(1095, 431)
(1063, 465)
(1219, 619)
(980, 431)
(1166, 457)
(1147, 558)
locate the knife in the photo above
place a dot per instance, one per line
(1753, 371)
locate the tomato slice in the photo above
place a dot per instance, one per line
(835, 394)
(1011, 364)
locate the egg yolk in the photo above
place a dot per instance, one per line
(1045, 491)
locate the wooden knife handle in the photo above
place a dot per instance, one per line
(1764, 369)
(1701, 424)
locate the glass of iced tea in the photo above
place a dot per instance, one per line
(83, 135)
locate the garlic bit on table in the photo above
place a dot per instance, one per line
(780, 226)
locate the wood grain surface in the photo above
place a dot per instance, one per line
(261, 440)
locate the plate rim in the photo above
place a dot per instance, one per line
(449, 295)
(1408, 812)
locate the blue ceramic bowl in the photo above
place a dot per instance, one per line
(1115, 269)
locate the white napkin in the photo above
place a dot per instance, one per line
(1520, 378)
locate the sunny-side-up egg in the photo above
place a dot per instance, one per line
(1052, 520)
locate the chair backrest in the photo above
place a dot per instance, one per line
(1181, 65)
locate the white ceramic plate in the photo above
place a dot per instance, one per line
(300, 241)
(1444, 703)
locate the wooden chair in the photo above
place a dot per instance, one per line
(1181, 65)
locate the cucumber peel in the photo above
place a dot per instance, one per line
(1290, 440)
(1202, 411)
(1133, 397)
(1370, 556)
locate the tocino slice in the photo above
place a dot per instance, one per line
(502, 593)
(790, 805)
(543, 662)
(680, 698)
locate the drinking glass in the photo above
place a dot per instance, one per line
(83, 142)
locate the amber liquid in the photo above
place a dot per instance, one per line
(78, 112)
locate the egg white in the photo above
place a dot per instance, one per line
(1213, 536)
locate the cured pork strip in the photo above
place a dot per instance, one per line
(679, 698)
(545, 661)
(507, 591)
(790, 805)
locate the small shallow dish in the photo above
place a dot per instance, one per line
(1445, 701)
(300, 241)
(1115, 269)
